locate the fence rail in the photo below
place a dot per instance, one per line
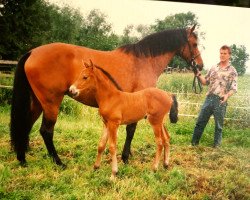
(186, 107)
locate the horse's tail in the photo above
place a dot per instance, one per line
(173, 115)
(20, 121)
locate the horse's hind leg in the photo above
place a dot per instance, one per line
(47, 131)
(166, 144)
(127, 145)
(36, 109)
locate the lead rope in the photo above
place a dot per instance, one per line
(196, 80)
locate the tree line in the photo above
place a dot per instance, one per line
(30, 23)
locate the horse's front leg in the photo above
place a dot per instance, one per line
(101, 147)
(127, 145)
(112, 136)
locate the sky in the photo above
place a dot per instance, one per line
(221, 24)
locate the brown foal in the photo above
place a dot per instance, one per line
(117, 107)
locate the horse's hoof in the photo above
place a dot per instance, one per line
(125, 159)
(63, 166)
(23, 163)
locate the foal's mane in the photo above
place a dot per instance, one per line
(109, 77)
(157, 43)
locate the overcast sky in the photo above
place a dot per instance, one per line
(222, 24)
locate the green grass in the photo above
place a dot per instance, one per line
(194, 172)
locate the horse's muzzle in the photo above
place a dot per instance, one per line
(74, 92)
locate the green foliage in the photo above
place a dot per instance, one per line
(19, 33)
(180, 20)
(239, 58)
(71, 107)
(18, 19)
(176, 82)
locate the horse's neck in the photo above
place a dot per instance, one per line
(159, 63)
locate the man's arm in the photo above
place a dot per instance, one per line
(201, 78)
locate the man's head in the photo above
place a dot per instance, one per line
(225, 53)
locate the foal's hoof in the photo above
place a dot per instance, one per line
(113, 176)
(165, 166)
(96, 167)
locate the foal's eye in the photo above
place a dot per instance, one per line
(85, 77)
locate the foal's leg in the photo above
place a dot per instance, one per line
(101, 147)
(158, 139)
(112, 136)
(127, 145)
(166, 144)
(47, 132)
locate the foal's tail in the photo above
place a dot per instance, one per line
(173, 115)
(20, 121)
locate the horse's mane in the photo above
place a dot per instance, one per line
(157, 43)
(110, 78)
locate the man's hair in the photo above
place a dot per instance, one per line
(225, 47)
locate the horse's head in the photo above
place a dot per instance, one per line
(85, 82)
(190, 51)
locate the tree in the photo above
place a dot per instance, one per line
(96, 32)
(239, 57)
(23, 25)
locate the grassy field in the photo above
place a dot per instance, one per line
(195, 172)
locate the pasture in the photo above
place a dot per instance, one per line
(194, 173)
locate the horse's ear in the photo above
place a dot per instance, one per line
(192, 29)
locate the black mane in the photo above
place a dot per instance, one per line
(109, 77)
(157, 43)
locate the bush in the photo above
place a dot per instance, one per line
(5, 96)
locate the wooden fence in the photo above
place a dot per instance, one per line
(187, 107)
(6, 70)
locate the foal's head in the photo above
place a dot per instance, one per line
(85, 81)
(190, 51)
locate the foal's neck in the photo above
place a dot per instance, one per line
(105, 89)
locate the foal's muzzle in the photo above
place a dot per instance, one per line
(74, 91)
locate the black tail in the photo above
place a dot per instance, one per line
(173, 115)
(20, 122)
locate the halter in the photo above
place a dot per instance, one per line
(194, 68)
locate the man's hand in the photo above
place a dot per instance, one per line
(224, 98)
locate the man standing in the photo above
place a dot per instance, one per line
(222, 83)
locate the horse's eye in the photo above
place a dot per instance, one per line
(85, 77)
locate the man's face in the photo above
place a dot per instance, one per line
(224, 55)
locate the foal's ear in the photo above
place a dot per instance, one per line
(89, 66)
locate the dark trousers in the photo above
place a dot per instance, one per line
(211, 106)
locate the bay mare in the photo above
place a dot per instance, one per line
(117, 107)
(44, 75)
